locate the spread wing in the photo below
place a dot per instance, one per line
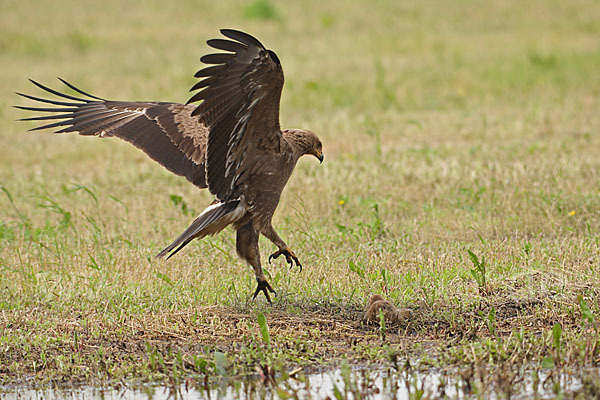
(165, 131)
(240, 106)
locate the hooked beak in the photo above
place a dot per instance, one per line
(319, 155)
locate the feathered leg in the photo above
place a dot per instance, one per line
(247, 249)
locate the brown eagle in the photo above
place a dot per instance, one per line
(231, 142)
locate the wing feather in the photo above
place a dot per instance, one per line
(209, 71)
(164, 131)
(239, 93)
(226, 45)
(217, 58)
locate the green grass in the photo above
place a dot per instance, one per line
(448, 128)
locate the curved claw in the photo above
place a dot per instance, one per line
(290, 257)
(265, 287)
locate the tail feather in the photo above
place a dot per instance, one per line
(212, 220)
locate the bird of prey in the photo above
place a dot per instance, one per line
(230, 142)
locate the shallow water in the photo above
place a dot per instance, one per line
(375, 384)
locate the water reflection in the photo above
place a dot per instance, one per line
(341, 383)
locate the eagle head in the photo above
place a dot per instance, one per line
(304, 142)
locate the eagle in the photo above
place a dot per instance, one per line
(226, 138)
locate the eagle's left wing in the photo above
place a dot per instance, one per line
(240, 107)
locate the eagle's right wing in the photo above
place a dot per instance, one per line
(165, 131)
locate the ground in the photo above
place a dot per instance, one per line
(461, 181)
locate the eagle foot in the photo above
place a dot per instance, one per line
(290, 257)
(265, 287)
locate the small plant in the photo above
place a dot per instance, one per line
(382, 325)
(556, 332)
(478, 272)
(53, 205)
(178, 201)
(357, 269)
(77, 187)
(527, 249)
(200, 363)
(586, 314)
(264, 329)
(154, 358)
(385, 276)
(376, 227)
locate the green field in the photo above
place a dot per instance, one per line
(448, 127)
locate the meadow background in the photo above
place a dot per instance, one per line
(448, 127)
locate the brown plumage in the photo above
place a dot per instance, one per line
(231, 143)
(391, 313)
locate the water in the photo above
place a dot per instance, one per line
(375, 384)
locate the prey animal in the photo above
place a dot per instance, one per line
(227, 138)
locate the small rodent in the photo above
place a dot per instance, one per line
(392, 314)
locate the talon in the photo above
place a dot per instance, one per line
(290, 257)
(265, 287)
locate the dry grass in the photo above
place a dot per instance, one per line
(447, 127)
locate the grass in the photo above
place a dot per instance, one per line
(461, 181)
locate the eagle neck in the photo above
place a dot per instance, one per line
(297, 145)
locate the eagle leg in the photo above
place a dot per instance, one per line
(265, 287)
(247, 249)
(290, 257)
